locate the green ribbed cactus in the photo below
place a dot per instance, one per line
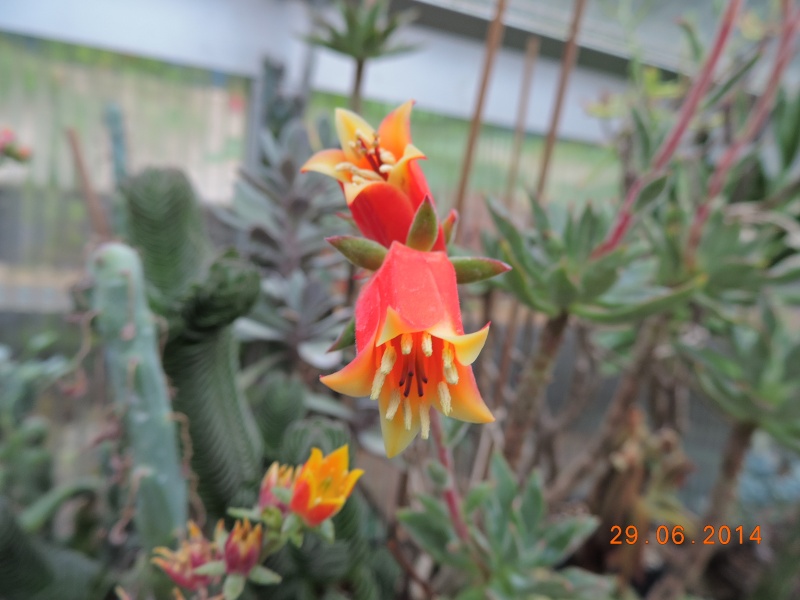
(128, 330)
(30, 570)
(199, 296)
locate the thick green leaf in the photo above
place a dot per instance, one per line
(633, 312)
(361, 252)
(533, 507)
(263, 576)
(562, 290)
(477, 496)
(504, 479)
(473, 269)
(212, 568)
(563, 537)
(650, 192)
(35, 516)
(233, 587)
(428, 531)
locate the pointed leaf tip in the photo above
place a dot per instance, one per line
(346, 339)
(472, 269)
(359, 251)
(425, 227)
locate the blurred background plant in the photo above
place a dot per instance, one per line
(641, 365)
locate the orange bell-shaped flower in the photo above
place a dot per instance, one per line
(323, 485)
(413, 354)
(382, 182)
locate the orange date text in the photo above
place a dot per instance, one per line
(676, 535)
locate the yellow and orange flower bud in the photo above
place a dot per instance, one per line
(277, 476)
(179, 565)
(382, 182)
(323, 485)
(412, 353)
(243, 548)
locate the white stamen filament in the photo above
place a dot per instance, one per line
(385, 168)
(394, 404)
(407, 415)
(377, 385)
(427, 344)
(406, 343)
(448, 361)
(388, 360)
(451, 375)
(387, 364)
(425, 421)
(445, 400)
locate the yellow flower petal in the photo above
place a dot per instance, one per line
(325, 162)
(467, 346)
(347, 124)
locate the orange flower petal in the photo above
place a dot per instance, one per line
(355, 379)
(395, 129)
(467, 403)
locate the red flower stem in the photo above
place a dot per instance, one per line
(670, 144)
(754, 124)
(451, 496)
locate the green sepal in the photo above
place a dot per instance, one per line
(472, 269)
(347, 338)
(425, 227)
(449, 225)
(250, 514)
(263, 576)
(362, 252)
(234, 586)
(212, 569)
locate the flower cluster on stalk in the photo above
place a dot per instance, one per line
(291, 500)
(412, 353)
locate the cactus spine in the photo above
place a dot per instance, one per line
(200, 296)
(128, 331)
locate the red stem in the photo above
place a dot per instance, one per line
(754, 124)
(667, 149)
(451, 497)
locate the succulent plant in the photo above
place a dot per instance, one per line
(199, 296)
(128, 331)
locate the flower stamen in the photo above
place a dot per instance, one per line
(445, 400)
(427, 344)
(406, 343)
(407, 414)
(394, 404)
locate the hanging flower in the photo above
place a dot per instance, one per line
(180, 565)
(412, 353)
(378, 171)
(323, 485)
(242, 548)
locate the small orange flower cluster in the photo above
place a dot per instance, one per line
(412, 352)
(313, 492)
